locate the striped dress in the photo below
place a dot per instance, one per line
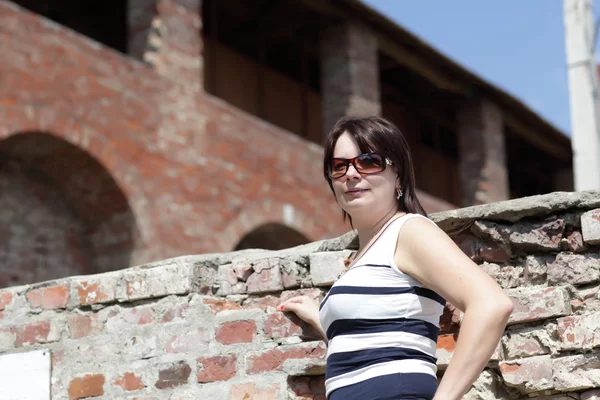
(382, 328)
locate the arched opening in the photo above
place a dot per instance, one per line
(61, 212)
(272, 237)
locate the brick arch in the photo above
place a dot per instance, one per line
(257, 215)
(65, 213)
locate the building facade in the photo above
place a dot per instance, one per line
(142, 130)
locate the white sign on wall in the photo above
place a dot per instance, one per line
(25, 376)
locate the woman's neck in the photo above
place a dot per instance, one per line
(367, 230)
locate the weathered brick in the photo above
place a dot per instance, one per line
(272, 360)
(292, 274)
(173, 375)
(576, 372)
(5, 299)
(129, 381)
(219, 368)
(247, 391)
(158, 281)
(49, 297)
(579, 331)
(280, 325)
(236, 332)
(575, 269)
(590, 226)
(574, 242)
(535, 269)
(90, 385)
(506, 276)
(531, 342)
(37, 332)
(84, 325)
(537, 236)
(532, 304)
(226, 274)
(325, 267)
(242, 269)
(266, 278)
(529, 374)
(188, 341)
(97, 291)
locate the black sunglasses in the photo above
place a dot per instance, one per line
(366, 164)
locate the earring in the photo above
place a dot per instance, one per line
(398, 193)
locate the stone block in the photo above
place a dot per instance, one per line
(156, 282)
(575, 269)
(590, 227)
(578, 332)
(506, 276)
(528, 374)
(532, 304)
(531, 342)
(536, 269)
(537, 236)
(326, 267)
(266, 278)
(576, 372)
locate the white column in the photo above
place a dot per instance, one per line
(583, 92)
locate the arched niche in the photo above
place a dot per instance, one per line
(272, 237)
(61, 212)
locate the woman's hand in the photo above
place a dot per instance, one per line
(306, 308)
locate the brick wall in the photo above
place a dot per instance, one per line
(196, 173)
(206, 326)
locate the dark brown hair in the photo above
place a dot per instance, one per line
(378, 135)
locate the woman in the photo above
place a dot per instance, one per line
(381, 317)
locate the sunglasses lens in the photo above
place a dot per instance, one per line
(370, 163)
(338, 168)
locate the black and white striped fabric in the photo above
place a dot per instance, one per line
(382, 327)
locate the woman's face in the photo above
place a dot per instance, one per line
(363, 195)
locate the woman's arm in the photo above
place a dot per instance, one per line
(427, 254)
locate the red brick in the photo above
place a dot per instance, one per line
(94, 293)
(35, 332)
(49, 297)
(249, 391)
(5, 299)
(236, 332)
(86, 386)
(84, 325)
(174, 375)
(129, 381)
(272, 360)
(280, 325)
(219, 368)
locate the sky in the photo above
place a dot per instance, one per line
(517, 45)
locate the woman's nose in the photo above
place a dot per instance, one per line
(352, 173)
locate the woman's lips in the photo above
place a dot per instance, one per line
(356, 192)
